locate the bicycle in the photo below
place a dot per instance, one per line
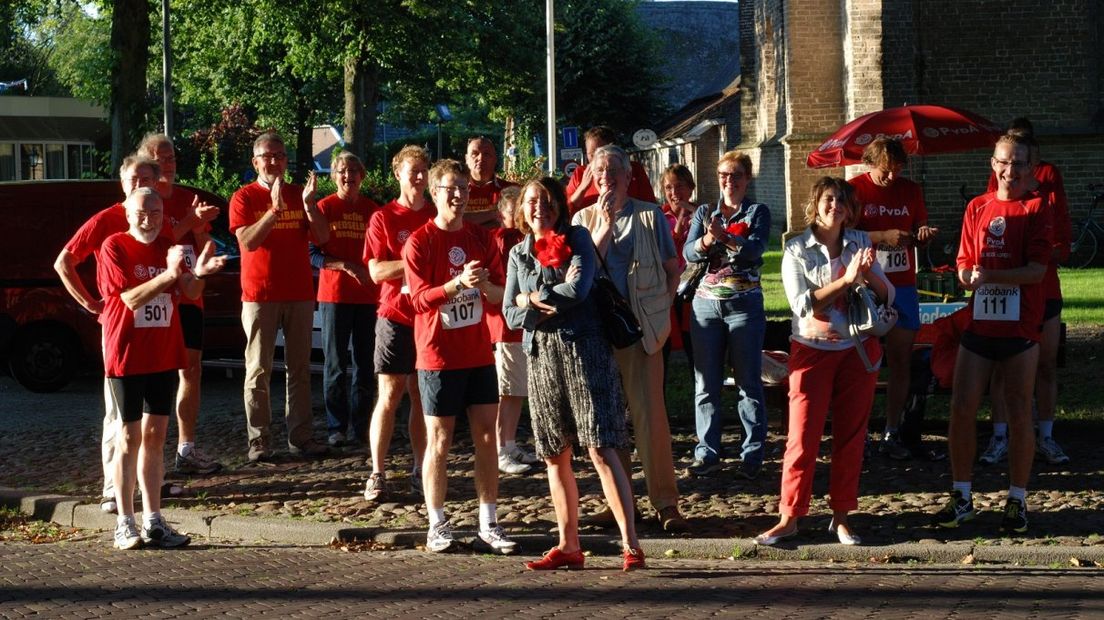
(1086, 234)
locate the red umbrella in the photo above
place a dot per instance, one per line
(922, 129)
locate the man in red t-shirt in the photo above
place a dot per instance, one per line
(454, 271)
(1048, 184)
(274, 223)
(1006, 242)
(135, 172)
(388, 231)
(347, 299)
(893, 213)
(486, 186)
(582, 189)
(141, 275)
(190, 220)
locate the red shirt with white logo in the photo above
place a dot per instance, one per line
(348, 230)
(483, 200)
(503, 239)
(90, 237)
(450, 333)
(280, 269)
(388, 231)
(1005, 234)
(176, 208)
(147, 339)
(897, 207)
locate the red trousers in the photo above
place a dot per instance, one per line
(821, 381)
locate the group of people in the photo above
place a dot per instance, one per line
(470, 294)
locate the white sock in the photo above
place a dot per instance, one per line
(964, 488)
(121, 519)
(148, 519)
(487, 516)
(1046, 427)
(184, 448)
(1019, 493)
(1000, 429)
(890, 430)
(510, 446)
(436, 515)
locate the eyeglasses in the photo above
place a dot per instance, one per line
(453, 189)
(272, 156)
(1015, 163)
(735, 176)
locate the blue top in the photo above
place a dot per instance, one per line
(731, 272)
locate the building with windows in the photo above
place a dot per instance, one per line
(50, 138)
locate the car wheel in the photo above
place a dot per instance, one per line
(44, 358)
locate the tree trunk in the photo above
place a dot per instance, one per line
(304, 138)
(130, 40)
(361, 98)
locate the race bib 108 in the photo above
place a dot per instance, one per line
(892, 259)
(997, 302)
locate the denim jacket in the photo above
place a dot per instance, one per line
(742, 264)
(576, 314)
(806, 267)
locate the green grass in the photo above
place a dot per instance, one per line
(1083, 296)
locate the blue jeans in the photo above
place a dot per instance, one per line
(730, 330)
(342, 323)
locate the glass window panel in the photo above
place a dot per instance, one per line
(32, 164)
(55, 161)
(7, 161)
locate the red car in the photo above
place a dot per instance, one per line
(46, 336)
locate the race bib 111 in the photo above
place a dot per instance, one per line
(997, 302)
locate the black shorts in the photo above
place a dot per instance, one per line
(395, 350)
(449, 393)
(1051, 309)
(191, 323)
(996, 349)
(157, 390)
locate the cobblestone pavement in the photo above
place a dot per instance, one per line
(89, 580)
(51, 442)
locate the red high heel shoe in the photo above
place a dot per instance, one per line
(555, 558)
(634, 558)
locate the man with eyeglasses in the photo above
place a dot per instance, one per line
(1006, 244)
(274, 223)
(454, 270)
(583, 190)
(485, 187)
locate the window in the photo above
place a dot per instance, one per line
(80, 160)
(7, 161)
(32, 164)
(55, 161)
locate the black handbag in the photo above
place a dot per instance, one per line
(690, 279)
(622, 328)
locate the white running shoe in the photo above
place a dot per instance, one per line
(507, 464)
(494, 540)
(126, 535)
(996, 452)
(439, 539)
(1050, 450)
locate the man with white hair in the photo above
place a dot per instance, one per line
(142, 275)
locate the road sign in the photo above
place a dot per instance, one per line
(571, 154)
(644, 138)
(569, 168)
(570, 138)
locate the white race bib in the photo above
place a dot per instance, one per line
(463, 310)
(997, 302)
(892, 259)
(156, 313)
(189, 256)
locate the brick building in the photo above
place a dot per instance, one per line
(809, 66)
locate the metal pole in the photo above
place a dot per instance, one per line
(166, 44)
(550, 36)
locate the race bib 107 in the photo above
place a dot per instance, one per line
(463, 310)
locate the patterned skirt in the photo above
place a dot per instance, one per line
(575, 394)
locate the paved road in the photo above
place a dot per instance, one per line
(87, 579)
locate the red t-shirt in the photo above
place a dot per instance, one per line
(176, 208)
(90, 237)
(503, 239)
(898, 207)
(449, 333)
(148, 339)
(1053, 191)
(280, 269)
(483, 200)
(388, 231)
(348, 229)
(639, 187)
(1000, 234)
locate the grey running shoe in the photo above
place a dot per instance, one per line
(522, 455)
(126, 535)
(957, 510)
(494, 540)
(196, 463)
(439, 539)
(1015, 516)
(1051, 451)
(160, 534)
(375, 487)
(996, 452)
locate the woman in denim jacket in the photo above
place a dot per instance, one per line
(728, 323)
(574, 385)
(826, 371)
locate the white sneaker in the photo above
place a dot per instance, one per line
(522, 455)
(1050, 450)
(108, 505)
(160, 534)
(439, 539)
(126, 535)
(494, 540)
(507, 464)
(996, 452)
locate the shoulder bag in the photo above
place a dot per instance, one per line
(867, 317)
(622, 328)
